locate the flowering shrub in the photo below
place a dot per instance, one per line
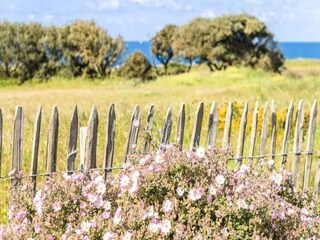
(167, 194)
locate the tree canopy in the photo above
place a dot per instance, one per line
(228, 40)
(161, 45)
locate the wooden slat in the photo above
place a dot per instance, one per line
(90, 156)
(149, 124)
(17, 140)
(166, 131)
(52, 143)
(310, 144)
(227, 127)
(317, 178)
(264, 133)
(241, 138)
(73, 137)
(297, 143)
(287, 128)
(273, 142)
(133, 132)
(83, 137)
(213, 126)
(253, 136)
(110, 141)
(35, 147)
(1, 128)
(180, 127)
(195, 139)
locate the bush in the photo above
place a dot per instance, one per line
(166, 195)
(136, 66)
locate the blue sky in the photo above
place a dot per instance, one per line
(289, 20)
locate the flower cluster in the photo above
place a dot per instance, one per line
(167, 194)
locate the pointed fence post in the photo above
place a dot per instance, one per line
(180, 127)
(90, 156)
(52, 143)
(213, 126)
(241, 138)
(73, 137)
(227, 127)
(166, 131)
(273, 143)
(35, 147)
(264, 133)
(310, 144)
(195, 139)
(287, 128)
(110, 139)
(17, 143)
(149, 123)
(253, 137)
(297, 142)
(133, 132)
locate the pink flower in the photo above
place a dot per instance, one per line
(180, 191)
(83, 205)
(21, 215)
(106, 215)
(199, 192)
(101, 188)
(117, 216)
(193, 194)
(165, 227)
(212, 190)
(127, 236)
(220, 179)
(109, 236)
(167, 207)
(56, 206)
(153, 227)
(85, 226)
(201, 152)
(92, 197)
(125, 181)
(136, 123)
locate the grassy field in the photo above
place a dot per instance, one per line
(300, 80)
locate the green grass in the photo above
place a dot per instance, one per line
(300, 80)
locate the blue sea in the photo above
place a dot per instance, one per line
(291, 50)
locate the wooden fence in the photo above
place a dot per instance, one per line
(88, 138)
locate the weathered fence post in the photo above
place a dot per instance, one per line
(110, 140)
(73, 137)
(83, 137)
(195, 139)
(273, 142)
(149, 123)
(310, 144)
(227, 127)
(17, 142)
(133, 132)
(213, 126)
(166, 131)
(35, 147)
(90, 156)
(52, 143)
(297, 142)
(264, 133)
(241, 138)
(287, 128)
(180, 127)
(254, 128)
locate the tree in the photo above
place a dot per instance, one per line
(8, 48)
(136, 66)
(90, 50)
(228, 40)
(161, 45)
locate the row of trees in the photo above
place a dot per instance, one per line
(32, 50)
(219, 42)
(84, 48)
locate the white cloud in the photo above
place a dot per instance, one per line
(208, 14)
(31, 17)
(139, 1)
(102, 5)
(48, 17)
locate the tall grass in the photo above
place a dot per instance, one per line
(299, 81)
